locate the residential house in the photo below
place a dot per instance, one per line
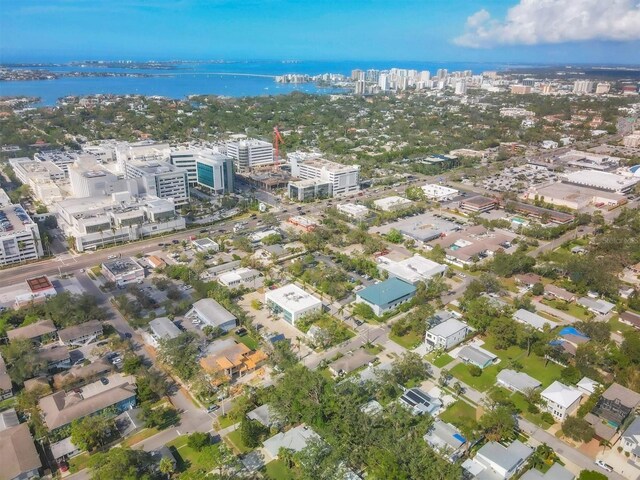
(630, 318)
(446, 335)
(6, 387)
(559, 293)
(228, 359)
(587, 386)
(596, 305)
(385, 296)
(630, 440)
(64, 450)
(532, 319)
(517, 381)
(264, 415)
(496, 462)
(528, 280)
(419, 402)
(561, 400)
(38, 332)
(446, 439)
(18, 455)
(55, 356)
(210, 312)
(80, 335)
(350, 362)
(476, 356)
(8, 419)
(295, 439)
(616, 403)
(556, 472)
(81, 374)
(118, 391)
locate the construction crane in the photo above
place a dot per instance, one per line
(277, 141)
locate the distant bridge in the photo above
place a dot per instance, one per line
(226, 74)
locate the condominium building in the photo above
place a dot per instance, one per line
(583, 86)
(344, 179)
(215, 173)
(602, 88)
(250, 153)
(19, 236)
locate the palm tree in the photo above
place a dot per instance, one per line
(166, 467)
(605, 444)
(286, 456)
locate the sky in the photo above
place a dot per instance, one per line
(514, 31)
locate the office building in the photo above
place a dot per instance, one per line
(122, 271)
(305, 190)
(210, 312)
(58, 157)
(411, 270)
(159, 179)
(478, 204)
(39, 289)
(184, 158)
(344, 179)
(387, 295)
(41, 177)
(215, 173)
(291, 303)
(353, 210)
(19, 236)
(391, 204)
(250, 153)
(439, 193)
(520, 89)
(602, 88)
(240, 277)
(632, 140)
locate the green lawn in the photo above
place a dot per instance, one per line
(79, 462)
(482, 383)
(615, 324)
(190, 459)
(506, 354)
(442, 360)
(236, 441)
(374, 349)
(535, 366)
(277, 470)
(140, 436)
(572, 309)
(457, 412)
(7, 403)
(248, 340)
(409, 341)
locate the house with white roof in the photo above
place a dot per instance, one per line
(497, 462)
(517, 381)
(240, 277)
(446, 335)
(561, 400)
(556, 472)
(291, 302)
(587, 386)
(295, 439)
(532, 319)
(630, 440)
(411, 270)
(596, 305)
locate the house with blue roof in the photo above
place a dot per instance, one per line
(385, 296)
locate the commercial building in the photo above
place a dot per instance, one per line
(387, 295)
(573, 196)
(583, 86)
(240, 277)
(353, 210)
(161, 328)
(39, 289)
(446, 335)
(306, 223)
(478, 204)
(250, 153)
(291, 302)
(607, 181)
(561, 400)
(517, 381)
(411, 270)
(82, 334)
(159, 179)
(390, 204)
(215, 173)
(210, 312)
(185, 158)
(118, 391)
(439, 193)
(18, 455)
(305, 190)
(58, 157)
(40, 177)
(205, 245)
(122, 271)
(496, 462)
(343, 179)
(532, 319)
(19, 236)
(632, 140)
(98, 221)
(474, 244)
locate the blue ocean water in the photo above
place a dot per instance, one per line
(232, 79)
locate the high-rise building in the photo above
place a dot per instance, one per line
(309, 166)
(357, 74)
(425, 76)
(250, 153)
(602, 88)
(442, 73)
(19, 236)
(583, 86)
(215, 173)
(360, 87)
(383, 82)
(461, 87)
(520, 89)
(373, 75)
(159, 179)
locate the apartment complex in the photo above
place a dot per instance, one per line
(343, 179)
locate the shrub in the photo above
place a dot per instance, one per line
(474, 370)
(198, 441)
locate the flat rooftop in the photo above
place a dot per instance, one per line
(292, 297)
(602, 180)
(37, 284)
(122, 265)
(13, 219)
(335, 167)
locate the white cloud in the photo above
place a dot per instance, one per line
(534, 22)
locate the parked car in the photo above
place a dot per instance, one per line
(604, 466)
(241, 332)
(212, 408)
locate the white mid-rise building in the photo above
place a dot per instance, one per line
(19, 236)
(583, 86)
(344, 179)
(250, 153)
(240, 277)
(159, 179)
(292, 303)
(353, 210)
(632, 140)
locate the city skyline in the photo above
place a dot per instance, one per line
(510, 31)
